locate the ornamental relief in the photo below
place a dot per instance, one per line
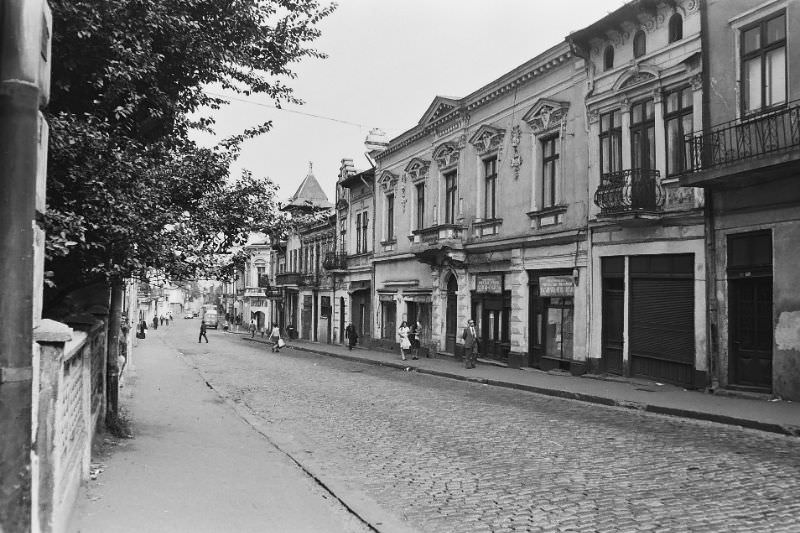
(446, 155)
(387, 181)
(546, 116)
(487, 139)
(417, 169)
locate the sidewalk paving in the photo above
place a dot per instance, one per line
(771, 415)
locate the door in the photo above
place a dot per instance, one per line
(341, 320)
(613, 314)
(306, 317)
(325, 319)
(751, 331)
(451, 323)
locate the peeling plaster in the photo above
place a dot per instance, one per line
(787, 333)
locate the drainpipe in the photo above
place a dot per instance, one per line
(712, 346)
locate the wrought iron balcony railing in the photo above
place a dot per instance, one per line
(746, 138)
(334, 261)
(310, 279)
(630, 191)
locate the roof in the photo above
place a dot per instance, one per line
(309, 194)
(357, 176)
(612, 21)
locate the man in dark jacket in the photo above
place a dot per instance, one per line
(471, 345)
(202, 331)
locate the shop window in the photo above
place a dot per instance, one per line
(388, 320)
(675, 28)
(763, 64)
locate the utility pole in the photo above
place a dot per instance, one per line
(24, 90)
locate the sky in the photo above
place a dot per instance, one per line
(387, 60)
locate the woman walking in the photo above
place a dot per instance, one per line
(405, 344)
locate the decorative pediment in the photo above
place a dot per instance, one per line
(417, 169)
(440, 106)
(636, 75)
(446, 155)
(546, 116)
(388, 180)
(487, 139)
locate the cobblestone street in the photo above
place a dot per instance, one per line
(453, 456)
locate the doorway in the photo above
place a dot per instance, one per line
(613, 269)
(750, 309)
(451, 320)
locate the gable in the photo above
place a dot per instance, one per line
(440, 106)
(546, 115)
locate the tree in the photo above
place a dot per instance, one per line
(128, 192)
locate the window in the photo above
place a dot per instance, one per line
(358, 233)
(451, 191)
(675, 28)
(643, 139)
(343, 234)
(390, 217)
(610, 142)
(490, 188)
(608, 58)
(639, 44)
(388, 320)
(549, 171)
(364, 226)
(678, 118)
(420, 205)
(763, 58)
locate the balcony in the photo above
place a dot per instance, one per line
(438, 244)
(309, 280)
(632, 194)
(334, 262)
(746, 151)
(288, 278)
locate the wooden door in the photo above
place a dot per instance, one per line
(751, 331)
(306, 318)
(613, 314)
(451, 326)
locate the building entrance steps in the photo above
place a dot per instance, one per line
(772, 415)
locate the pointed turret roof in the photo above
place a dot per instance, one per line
(309, 193)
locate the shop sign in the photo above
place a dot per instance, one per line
(556, 286)
(489, 284)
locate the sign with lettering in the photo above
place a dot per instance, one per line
(555, 286)
(489, 284)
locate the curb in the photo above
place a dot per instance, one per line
(768, 427)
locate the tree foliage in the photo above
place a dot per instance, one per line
(128, 191)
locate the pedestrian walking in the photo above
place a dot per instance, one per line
(252, 328)
(202, 331)
(471, 344)
(351, 335)
(141, 334)
(275, 337)
(155, 322)
(413, 337)
(405, 344)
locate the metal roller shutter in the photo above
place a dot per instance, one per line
(662, 318)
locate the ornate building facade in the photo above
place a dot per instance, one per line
(481, 212)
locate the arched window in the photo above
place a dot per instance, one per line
(675, 28)
(639, 44)
(608, 58)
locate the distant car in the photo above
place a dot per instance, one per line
(189, 315)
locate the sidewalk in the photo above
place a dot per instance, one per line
(195, 465)
(774, 416)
